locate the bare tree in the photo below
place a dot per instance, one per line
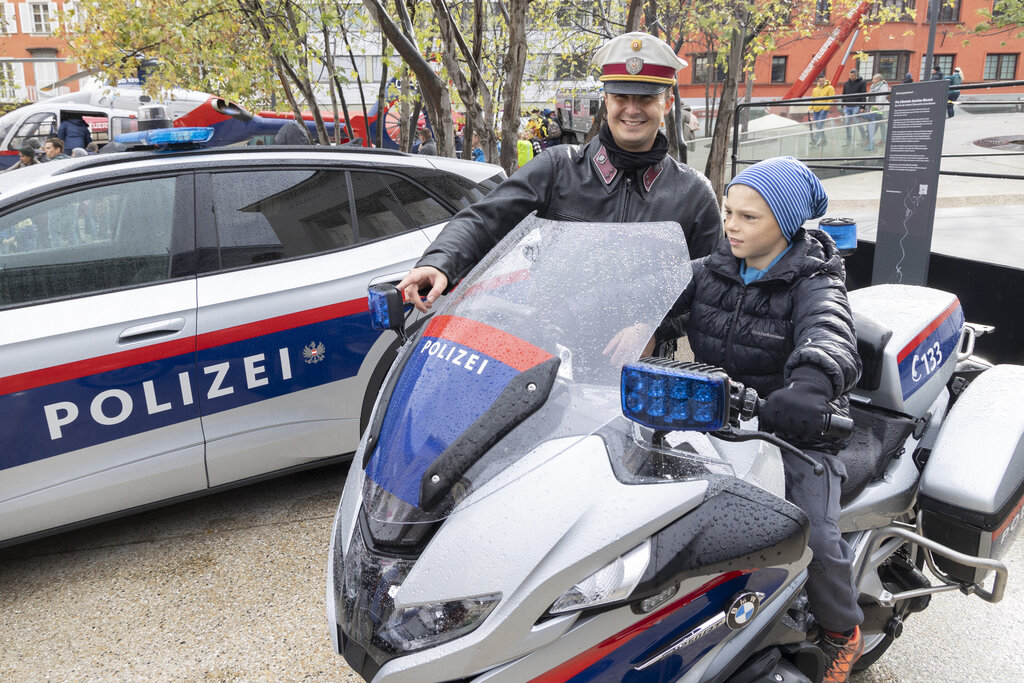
(432, 88)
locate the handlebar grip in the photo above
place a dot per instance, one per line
(836, 426)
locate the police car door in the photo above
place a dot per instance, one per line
(285, 343)
(98, 411)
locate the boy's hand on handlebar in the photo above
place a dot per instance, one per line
(423, 277)
(622, 347)
(797, 409)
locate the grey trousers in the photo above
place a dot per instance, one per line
(830, 590)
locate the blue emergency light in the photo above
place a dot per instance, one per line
(843, 231)
(386, 307)
(663, 394)
(165, 136)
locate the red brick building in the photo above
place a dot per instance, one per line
(31, 55)
(892, 49)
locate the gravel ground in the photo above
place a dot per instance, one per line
(231, 588)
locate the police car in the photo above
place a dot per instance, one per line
(175, 323)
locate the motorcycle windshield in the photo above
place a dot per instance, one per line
(545, 303)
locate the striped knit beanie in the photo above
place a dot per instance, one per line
(792, 192)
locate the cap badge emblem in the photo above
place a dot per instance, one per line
(636, 45)
(634, 65)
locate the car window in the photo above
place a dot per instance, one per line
(270, 215)
(40, 126)
(87, 241)
(458, 191)
(421, 207)
(378, 211)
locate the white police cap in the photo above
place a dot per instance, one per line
(637, 64)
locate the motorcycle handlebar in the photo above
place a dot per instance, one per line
(835, 426)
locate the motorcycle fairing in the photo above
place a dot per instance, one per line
(667, 642)
(454, 375)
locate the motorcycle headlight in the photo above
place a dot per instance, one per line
(611, 583)
(419, 626)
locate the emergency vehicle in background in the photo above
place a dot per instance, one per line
(175, 323)
(111, 110)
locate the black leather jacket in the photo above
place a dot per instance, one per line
(578, 183)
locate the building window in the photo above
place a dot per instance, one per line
(898, 10)
(45, 73)
(40, 15)
(1000, 67)
(10, 81)
(778, 69)
(949, 11)
(892, 65)
(944, 62)
(705, 70)
(823, 11)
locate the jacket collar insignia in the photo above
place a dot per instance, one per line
(652, 174)
(604, 166)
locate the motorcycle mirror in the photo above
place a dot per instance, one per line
(386, 307)
(668, 395)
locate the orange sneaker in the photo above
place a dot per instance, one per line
(840, 654)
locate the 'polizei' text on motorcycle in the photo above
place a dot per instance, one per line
(520, 509)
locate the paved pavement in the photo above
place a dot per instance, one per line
(230, 587)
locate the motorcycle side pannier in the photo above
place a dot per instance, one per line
(971, 496)
(908, 343)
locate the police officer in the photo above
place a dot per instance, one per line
(622, 175)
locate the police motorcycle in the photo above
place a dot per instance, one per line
(520, 509)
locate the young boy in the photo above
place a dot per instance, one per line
(769, 306)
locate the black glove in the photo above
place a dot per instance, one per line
(796, 410)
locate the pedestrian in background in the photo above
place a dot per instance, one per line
(908, 77)
(427, 144)
(26, 157)
(819, 110)
(74, 132)
(53, 148)
(937, 74)
(292, 133)
(876, 111)
(853, 107)
(955, 79)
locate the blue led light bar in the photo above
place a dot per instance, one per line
(675, 396)
(165, 136)
(386, 307)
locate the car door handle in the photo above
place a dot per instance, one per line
(147, 331)
(392, 279)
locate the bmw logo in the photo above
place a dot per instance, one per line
(742, 610)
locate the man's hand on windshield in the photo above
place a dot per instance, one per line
(622, 346)
(421, 278)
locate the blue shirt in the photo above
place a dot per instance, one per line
(753, 274)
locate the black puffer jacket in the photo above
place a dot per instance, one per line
(797, 315)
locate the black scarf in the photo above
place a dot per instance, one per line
(632, 161)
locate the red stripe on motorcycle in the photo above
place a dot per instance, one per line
(588, 658)
(928, 330)
(123, 359)
(502, 346)
(1009, 520)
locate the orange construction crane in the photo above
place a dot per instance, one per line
(827, 50)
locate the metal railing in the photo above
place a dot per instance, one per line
(796, 143)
